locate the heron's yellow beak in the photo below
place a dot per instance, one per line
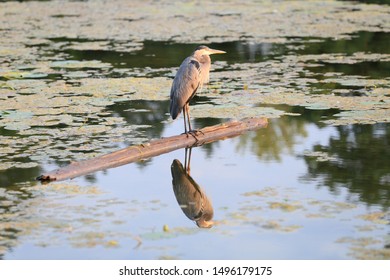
(213, 51)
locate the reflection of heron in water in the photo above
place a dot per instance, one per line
(191, 198)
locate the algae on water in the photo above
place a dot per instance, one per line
(60, 82)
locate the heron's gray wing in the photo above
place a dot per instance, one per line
(184, 85)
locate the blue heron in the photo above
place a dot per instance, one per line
(192, 74)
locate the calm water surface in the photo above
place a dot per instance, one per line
(296, 190)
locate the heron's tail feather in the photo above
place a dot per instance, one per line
(174, 110)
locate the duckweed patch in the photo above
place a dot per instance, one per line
(263, 204)
(61, 121)
(137, 22)
(51, 90)
(61, 213)
(364, 248)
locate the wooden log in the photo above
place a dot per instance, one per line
(154, 148)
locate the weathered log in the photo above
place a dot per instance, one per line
(154, 148)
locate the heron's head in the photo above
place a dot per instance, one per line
(204, 50)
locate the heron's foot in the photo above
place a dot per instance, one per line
(193, 133)
(199, 132)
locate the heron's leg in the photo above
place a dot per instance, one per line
(185, 121)
(188, 116)
(187, 160)
(190, 131)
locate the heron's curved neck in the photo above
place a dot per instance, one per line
(205, 63)
(204, 59)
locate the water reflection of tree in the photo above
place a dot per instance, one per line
(281, 134)
(361, 153)
(12, 199)
(268, 144)
(13, 176)
(163, 54)
(143, 112)
(360, 42)
(362, 165)
(363, 41)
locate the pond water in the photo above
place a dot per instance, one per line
(299, 189)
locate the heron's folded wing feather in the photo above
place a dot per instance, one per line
(184, 86)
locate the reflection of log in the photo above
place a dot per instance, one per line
(154, 148)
